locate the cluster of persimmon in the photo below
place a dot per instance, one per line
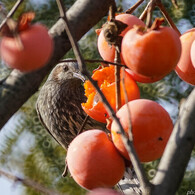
(96, 159)
(25, 46)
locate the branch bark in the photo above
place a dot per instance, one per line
(18, 87)
(178, 151)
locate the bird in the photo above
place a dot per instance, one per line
(59, 102)
(59, 109)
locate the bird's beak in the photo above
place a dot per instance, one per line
(79, 76)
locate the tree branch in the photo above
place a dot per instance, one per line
(34, 185)
(178, 151)
(18, 87)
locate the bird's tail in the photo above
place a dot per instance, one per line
(129, 185)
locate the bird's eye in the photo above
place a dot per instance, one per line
(65, 68)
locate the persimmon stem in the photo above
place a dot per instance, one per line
(148, 11)
(10, 14)
(134, 7)
(112, 12)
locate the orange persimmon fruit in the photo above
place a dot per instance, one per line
(192, 53)
(93, 160)
(151, 128)
(31, 51)
(143, 79)
(185, 68)
(153, 52)
(106, 81)
(106, 51)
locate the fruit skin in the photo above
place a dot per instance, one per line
(106, 51)
(184, 68)
(151, 128)
(192, 53)
(106, 81)
(143, 79)
(153, 53)
(103, 191)
(37, 49)
(93, 160)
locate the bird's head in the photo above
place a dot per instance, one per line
(66, 71)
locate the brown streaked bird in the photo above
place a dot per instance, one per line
(59, 104)
(59, 109)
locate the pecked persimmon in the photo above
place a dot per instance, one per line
(185, 68)
(106, 51)
(192, 53)
(106, 81)
(151, 128)
(93, 160)
(153, 52)
(31, 51)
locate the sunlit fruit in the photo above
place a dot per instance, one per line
(106, 51)
(30, 51)
(103, 191)
(106, 81)
(153, 52)
(185, 68)
(192, 53)
(151, 128)
(93, 160)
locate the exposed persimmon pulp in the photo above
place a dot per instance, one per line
(106, 81)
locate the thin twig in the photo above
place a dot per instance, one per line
(83, 124)
(144, 183)
(112, 12)
(126, 102)
(174, 2)
(144, 13)
(149, 13)
(117, 78)
(135, 6)
(36, 186)
(94, 61)
(11, 12)
(166, 15)
(133, 155)
(117, 68)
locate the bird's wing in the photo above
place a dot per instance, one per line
(42, 122)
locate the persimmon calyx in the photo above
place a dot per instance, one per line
(157, 23)
(25, 21)
(12, 28)
(112, 29)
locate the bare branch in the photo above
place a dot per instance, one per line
(18, 87)
(10, 14)
(32, 184)
(178, 151)
(134, 7)
(167, 17)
